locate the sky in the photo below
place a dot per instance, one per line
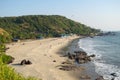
(99, 14)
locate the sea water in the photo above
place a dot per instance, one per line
(107, 51)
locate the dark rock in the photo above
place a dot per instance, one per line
(80, 57)
(77, 60)
(114, 74)
(67, 67)
(100, 78)
(93, 55)
(80, 53)
(63, 63)
(88, 58)
(113, 79)
(23, 62)
(71, 56)
(62, 69)
(28, 62)
(7, 48)
(54, 60)
(66, 62)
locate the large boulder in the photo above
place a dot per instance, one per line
(28, 62)
(25, 62)
(71, 56)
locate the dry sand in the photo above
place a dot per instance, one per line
(41, 53)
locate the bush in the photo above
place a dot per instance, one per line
(8, 73)
(2, 48)
(6, 58)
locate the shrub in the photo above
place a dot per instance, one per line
(8, 73)
(6, 58)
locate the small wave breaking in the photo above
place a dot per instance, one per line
(101, 67)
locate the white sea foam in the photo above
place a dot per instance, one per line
(101, 67)
(106, 70)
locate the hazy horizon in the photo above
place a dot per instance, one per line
(102, 14)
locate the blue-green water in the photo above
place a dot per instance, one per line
(107, 50)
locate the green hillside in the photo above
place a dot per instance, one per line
(26, 27)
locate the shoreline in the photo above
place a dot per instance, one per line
(89, 67)
(45, 56)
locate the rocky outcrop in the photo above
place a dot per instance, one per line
(67, 67)
(106, 34)
(80, 57)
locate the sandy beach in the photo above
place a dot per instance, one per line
(42, 54)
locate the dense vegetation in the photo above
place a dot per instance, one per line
(6, 72)
(33, 26)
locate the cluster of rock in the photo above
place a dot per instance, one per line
(68, 66)
(106, 34)
(25, 62)
(80, 57)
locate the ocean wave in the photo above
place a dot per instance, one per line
(101, 66)
(106, 70)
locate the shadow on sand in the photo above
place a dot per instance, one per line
(16, 64)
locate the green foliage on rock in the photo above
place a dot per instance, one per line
(5, 58)
(26, 27)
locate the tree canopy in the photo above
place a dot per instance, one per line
(32, 26)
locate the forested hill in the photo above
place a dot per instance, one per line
(32, 26)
